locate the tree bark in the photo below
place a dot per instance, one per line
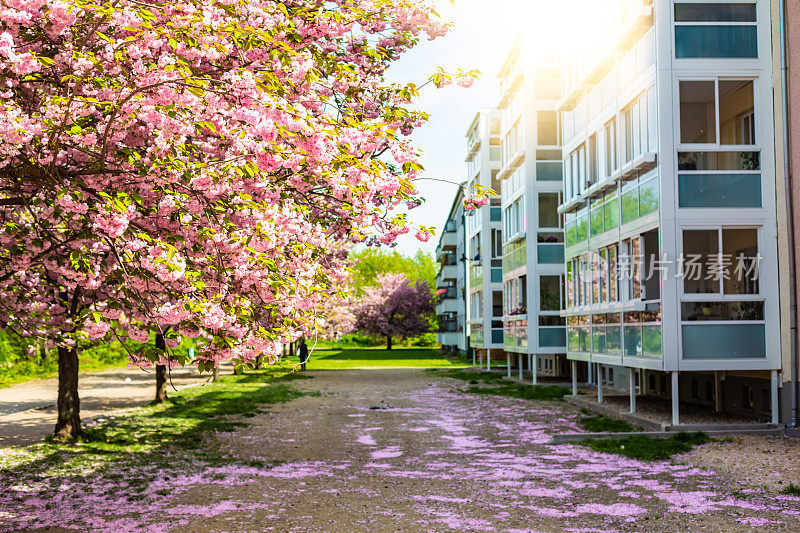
(68, 425)
(216, 372)
(161, 372)
(388, 342)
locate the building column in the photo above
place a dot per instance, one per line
(519, 363)
(774, 396)
(574, 378)
(535, 369)
(717, 391)
(599, 383)
(488, 359)
(676, 400)
(632, 388)
(508, 364)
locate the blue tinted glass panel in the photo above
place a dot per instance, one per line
(715, 41)
(496, 214)
(550, 253)
(719, 190)
(497, 275)
(549, 171)
(721, 341)
(497, 336)
(707, 12)
(552, 337)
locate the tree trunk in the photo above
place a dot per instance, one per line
(161, 372)
(388, 342)
(216, 372)
(68, 425)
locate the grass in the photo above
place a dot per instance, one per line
(342, 359)
(20, 371)
(647, 448)
(173, 434)
(494, 384)
(791, 490)
(606, 424)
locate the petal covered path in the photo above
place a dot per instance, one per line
(401, 450)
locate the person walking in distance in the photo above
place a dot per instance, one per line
(303, 353)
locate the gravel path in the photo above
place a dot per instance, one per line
(399, 450)
(28, 410)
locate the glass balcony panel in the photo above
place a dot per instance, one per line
(549, 171)
(633, 341)
(719, 190)
(596, 223)
(552, 337)
(550, 253)
(715, 41)
(648, 197)
(651, 341)
(630, 205)
(723, 341)
(613, 340)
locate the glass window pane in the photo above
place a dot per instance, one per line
(549, 287)
(728, 12)
(736, 119)
(547, 128)
(548, 210)
(721, 341)
(698, 112)
(549, 171)
(612, 274)
(633, 340)
(740, 259)
(719, 160)
(700, 249)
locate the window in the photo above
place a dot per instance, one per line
(698, 112)
(593, 167)
(548, 210)
(699, 101)
(547, 128)
(715, 30)
(736, 120)
(610, 138)
(550, 293)
(720, 261)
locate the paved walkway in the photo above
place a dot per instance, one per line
(28, 410)
(399, 450)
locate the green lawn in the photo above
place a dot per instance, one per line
(345, 358)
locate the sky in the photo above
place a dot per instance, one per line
(484, 32)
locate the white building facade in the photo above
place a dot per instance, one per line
(533, 231)
(484, 238)
(669, 205)
(451, 281)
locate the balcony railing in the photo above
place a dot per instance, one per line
(448, 293)
(448, 326)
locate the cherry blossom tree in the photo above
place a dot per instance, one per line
(196, 168)
(395, 307)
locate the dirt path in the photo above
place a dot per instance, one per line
(399, 450)
(28, 413)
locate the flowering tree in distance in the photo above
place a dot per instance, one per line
(196, 168)
(395, 308)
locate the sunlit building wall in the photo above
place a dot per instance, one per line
(451, 281)
(530, 186)
(668, 154)
(484, 238)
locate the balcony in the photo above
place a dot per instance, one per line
(448, 293)
(449, 272)
(640, 165)
(572, 205)
(451, 226)
(448, 326)
(638, 20)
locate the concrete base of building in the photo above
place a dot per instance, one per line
(563, 438)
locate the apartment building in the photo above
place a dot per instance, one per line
(786, 44)
(669, 204)
(451, 281)
(531, 190)
(484, 239)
